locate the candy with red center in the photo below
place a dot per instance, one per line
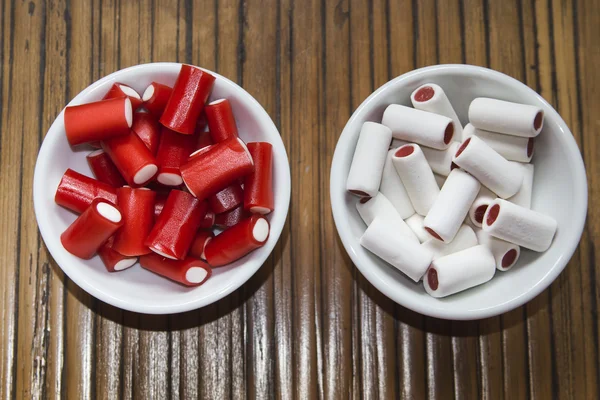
(221, 122)
(370, 208)
(112, 259)
(191, 91)
(176, 226)
(416, 126)
(519, 225)
(480, 205)
(513, 148)
(464, 238)
(104, 169)
(226, 199)
(173, 151)
(137, 208)
(431, 97)
(76, 192)
(217, 167)
(132, 158)
(155, 98)
(459, 271)
(368, 160)
(231, 217)
(100, 120)
(523, 196)
(188, 272)
(506, 254)
(147, 128)
(506, 117)
(199, 244)
(91, 229)
(258, 186)
(393, 188)
(119, 90)
(237, 241)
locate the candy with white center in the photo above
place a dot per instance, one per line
(370, 208)
(513, 148)
(417, 177)
(465, 238)
(422, 127)
(506, 254)
(523, 196)
(406, 255)
(369, 159)
(459, 271)
(506, 117)
(480, 205)
(519, 225)
(451, 206)
(431, 97)
(393, 188)
(440, 161)
(490, 168)
(415, 223)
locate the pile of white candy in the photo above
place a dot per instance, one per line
(457, 236)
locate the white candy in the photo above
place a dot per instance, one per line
(490, 168)
(506, 117)
(393, 188)
(465, 238)
(422, 127)
(506, 254)
(369, 158)
(370, 208)
(519, 225)
(440, 161)
(480, 205)
(404, 254)
(430, 97)
(513, 148)
(398, 143)
(415, 223)
(523, 196)
(452, 205)
(417, 177)
(459, 271)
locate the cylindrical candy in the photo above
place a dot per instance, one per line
(147, 128)
(91, 229)
(221, 122)
(113, 260)
(155, 98)
(464, 238)
(506, 117)
(408, 256)
(523, 196)
(490, 168)
(76, 192)
(415, 223)
(440, 161)
(176, 226)
(370, 208)
(104, 169)
(188, 272)
(199, 244)
(258, 186)
(208, 221)
(119, 90)
(132, 158)
(393, 188)
(451, 206)
(431, 97)
(191, 90)
(216, 168)
(237, 241)
(231, 217)
(519, 225)
(226, 199)
(99, 120)
(417, 177)
(173, 151)
(137, 207)
(459, 271)
(369, 159)
(506, 254)
(513, 148)
(480, 205)
(416, 126)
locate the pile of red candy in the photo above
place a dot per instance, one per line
(163, 181)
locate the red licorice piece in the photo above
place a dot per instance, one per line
(104, 169)
(216, 168)
(226, 199)
(147, 128)
(191, 91)
(155, 98)
(258, 186)
(99, 120)
(113, 260)
(132, 158)
(237, 241)
(221, 122)
(76, 192)
(173, 151)
(204, 140)
(230, 218)
(91, 229)
(200, 241)
(118, 90)
(208, 221)
(137, 207)
(159, 203)
(188, 272)
(176, 226)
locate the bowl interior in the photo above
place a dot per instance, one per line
(136, 289)
(559, 190)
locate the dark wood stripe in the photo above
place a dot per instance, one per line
(415, 16)
(216, 35)
(522, 41)
(117, 26)
(241, 49)
(1, 76)
(371, 50)
(463, 47)
(388, 34)
(486, 18)
(437, 32)
(537, 52)
(555, 100)
(152, 25)
(189, 12)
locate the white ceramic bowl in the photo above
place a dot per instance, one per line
(136, 289)
(560, 190)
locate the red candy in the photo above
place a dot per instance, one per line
(173, 151)
(258, 186)
(147, 129)
(200, 241)
(104, 169)
(133, 159)
(119, 90)
(226, 199)
(155, 98)
(77, 192)
(113, 260)
(221, 122)
(188, 272)
(137, 207)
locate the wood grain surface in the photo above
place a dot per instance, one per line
(308, 324)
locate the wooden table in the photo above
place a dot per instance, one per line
(308, 324)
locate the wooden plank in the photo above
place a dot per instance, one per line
(475, 31)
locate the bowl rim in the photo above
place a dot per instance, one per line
(250, 267)
(343, 226)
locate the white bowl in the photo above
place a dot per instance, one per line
(560, 190)
(136, 289)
